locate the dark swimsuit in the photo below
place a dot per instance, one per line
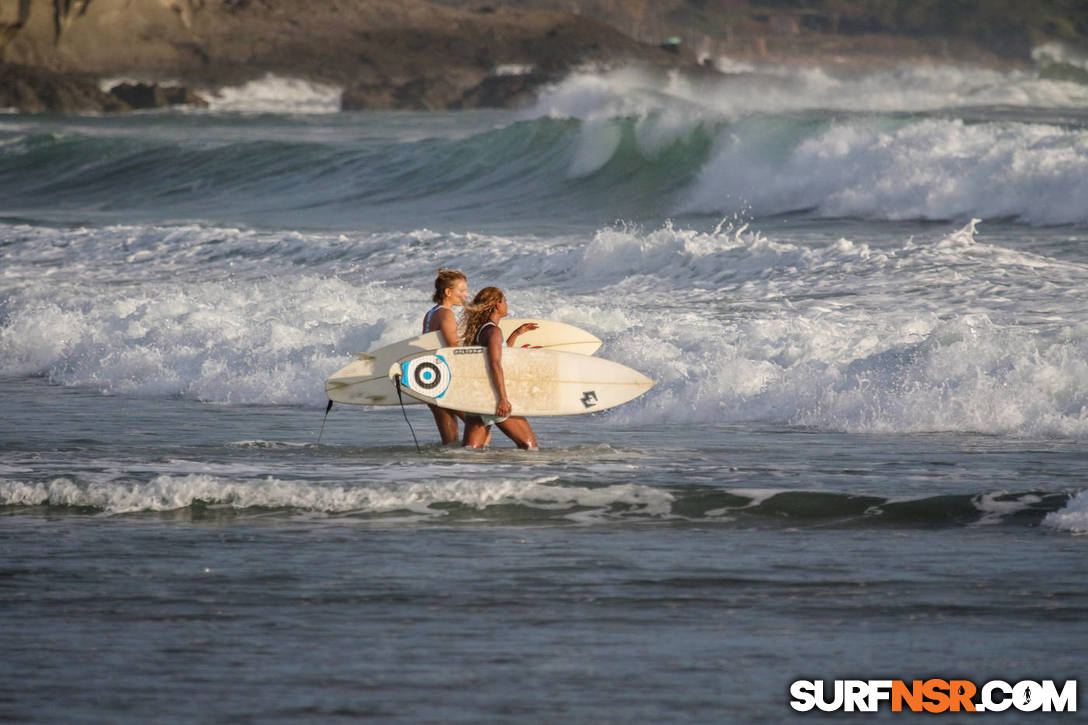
(427, 319)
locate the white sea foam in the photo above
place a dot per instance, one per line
(775, 89)
(252, 342)
(889, 357)
(275, 94)
(929, 169)
(946, 333)
(270, 94)
(994, 510)
(767, 159)
(1059, 53)
(1073, 517)
(169, 493)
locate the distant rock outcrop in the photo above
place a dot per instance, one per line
(34, 90)
(439, 54)
(144, 95)
(408, 54)
(506, 91)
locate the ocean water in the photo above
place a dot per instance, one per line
(862, 297)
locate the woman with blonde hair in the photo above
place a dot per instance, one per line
(481, 327)
(450, 289)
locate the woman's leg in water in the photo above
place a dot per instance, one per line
(518, 430)
(477, 435)
(446, 420)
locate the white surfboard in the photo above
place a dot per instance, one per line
(366, 381)
(538, 382)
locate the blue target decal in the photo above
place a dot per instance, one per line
(427, 374)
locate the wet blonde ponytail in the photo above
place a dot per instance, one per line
(445, 280)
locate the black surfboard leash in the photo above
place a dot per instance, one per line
(396, 382)
(323, 420)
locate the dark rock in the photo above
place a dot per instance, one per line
(181, 96)
(418, 93)
(366, 97)
(392, 54)
(140, 95)
(505, 91)
(143, 95)
(34, 90)
(431, 93)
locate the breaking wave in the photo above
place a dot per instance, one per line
(507, 501)
(1073, 517)
(911, 143)
(949, 333)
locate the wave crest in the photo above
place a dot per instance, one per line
(170, 493)
(602, 147)
(881, 169)
(546, 499)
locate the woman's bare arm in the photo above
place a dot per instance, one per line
(494, 363)
(447, 323)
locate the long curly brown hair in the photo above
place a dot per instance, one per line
(478, 313)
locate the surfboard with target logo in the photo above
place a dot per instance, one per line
(429, 374)
(365, 381)
(538, 382)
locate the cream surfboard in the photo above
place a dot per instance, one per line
(538, 382)
(365, 381)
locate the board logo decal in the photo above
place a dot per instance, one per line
(589, 398)
(427, 374)
(468, 351)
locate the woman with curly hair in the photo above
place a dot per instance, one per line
(481, 327)
(450, 289)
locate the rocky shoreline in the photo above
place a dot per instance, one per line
(383, 54)
(31, 89)
(407, 54)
